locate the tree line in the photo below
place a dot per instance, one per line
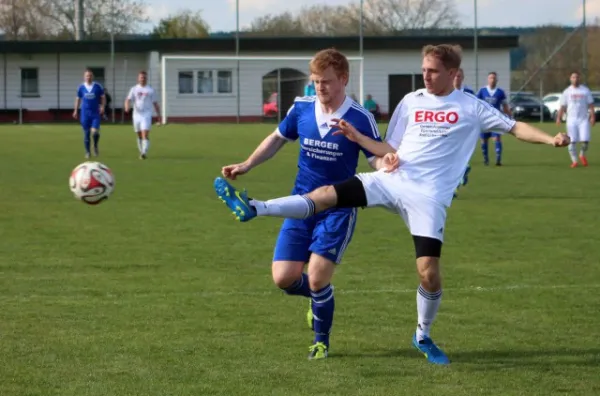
(55, 19)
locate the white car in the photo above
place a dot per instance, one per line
(552, 102)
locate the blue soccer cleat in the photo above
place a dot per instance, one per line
(237, 201)
(433, 354)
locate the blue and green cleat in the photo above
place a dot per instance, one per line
(433, 354)
(317, 351)
(238, 202)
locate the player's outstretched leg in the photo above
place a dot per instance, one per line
(292, 207)
(429, 296)
(573, 154)
(582, 152)
(498, 142)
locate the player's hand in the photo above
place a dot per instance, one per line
(101, 110)
(231, 172)
(346, 129)
(75, 114)
(593, 119)
(391, 162)
(561, 140)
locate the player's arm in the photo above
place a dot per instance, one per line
(102, 102)
(266, 149)
(77, 103)
(530, 134)
(286, 132)
(506, 109)
(562, 108)
(493, 120)
(590, 100)
(128, 100)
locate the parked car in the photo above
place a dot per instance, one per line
(597, 107)
(528, 108)
(552, 102)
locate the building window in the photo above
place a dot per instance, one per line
(224, 81)
(208, 82)
(98, 73)
(29, 82)
(186, 82)
(205, 82)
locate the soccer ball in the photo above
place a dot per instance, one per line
(92, 182)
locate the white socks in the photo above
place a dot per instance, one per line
(584, 148)
(291, 207)
(573, 151)
(145, 146)
(139, 142)
(427, 307)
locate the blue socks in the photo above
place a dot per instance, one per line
(86, 140)
(96, 137)
(484, 150)
(323, 305)
(498, 151)
(299, 287)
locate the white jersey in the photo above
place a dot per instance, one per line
(143, 99)
(577, 100)
(435, 137)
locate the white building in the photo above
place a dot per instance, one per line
(41, 78)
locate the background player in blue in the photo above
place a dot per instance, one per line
(90, 96)
(325, 157)
(497, 98)
(458, 84)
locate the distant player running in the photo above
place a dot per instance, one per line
(578, 102)
(496, 97)
(431, 136)
(91, 99)
(325, 158)
(143, 97)
(458, 85)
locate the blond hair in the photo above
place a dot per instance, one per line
(450, 55)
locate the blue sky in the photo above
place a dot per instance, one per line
(220, 14)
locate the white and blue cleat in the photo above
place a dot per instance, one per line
(433, 354)
(237, 202)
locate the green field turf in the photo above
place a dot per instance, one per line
(158, 291)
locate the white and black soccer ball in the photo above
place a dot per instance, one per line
(92, 182)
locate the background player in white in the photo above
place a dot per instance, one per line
(431, 136)
(144, 99)
(578, 102)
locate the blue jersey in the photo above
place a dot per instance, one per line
(495, 97)
(91, 98)
(325, 159)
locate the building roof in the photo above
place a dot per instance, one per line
(256, 44)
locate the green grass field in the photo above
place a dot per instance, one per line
(158, 291)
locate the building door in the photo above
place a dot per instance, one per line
(401, 84)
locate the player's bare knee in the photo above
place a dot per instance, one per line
(429, 273)
(324, 198)
(285, 273)
(320, 272)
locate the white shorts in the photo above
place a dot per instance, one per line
(142, 122)
(579, 130)
(423, 215)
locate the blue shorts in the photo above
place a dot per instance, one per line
(88, 122)
(326, 234)
(487, 135)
